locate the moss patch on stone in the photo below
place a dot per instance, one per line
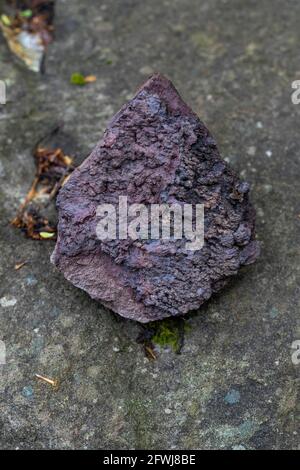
(169, 333)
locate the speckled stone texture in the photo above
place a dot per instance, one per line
(234, 385)
(155, 151)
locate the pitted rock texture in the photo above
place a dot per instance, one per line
(155, 150)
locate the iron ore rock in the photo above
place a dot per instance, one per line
(155, 150)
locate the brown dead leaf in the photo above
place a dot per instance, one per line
(32, 223)
(52, 168)
(90, 79)
(29, 30)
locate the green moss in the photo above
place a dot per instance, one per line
(78, 79)
(169, 333)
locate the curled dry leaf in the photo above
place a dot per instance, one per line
(29, 30)
(90, 79)
(52, 168)
(32, 223)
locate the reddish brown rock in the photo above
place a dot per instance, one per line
(155, 150)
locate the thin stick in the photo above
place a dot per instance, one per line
(54, 383)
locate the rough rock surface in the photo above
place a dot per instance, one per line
(228, 67)
(155, 150)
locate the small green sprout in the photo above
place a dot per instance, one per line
(78, 79)
(26, 13)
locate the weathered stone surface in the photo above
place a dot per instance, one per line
(155, 150)
(111, 396)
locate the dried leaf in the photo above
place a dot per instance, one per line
(29, 31)
(68, 160)
(25, 45)
(90, 79)
(6, 20)
(53, 167)
(31, 223)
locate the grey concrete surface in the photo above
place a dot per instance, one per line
(234, 384)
